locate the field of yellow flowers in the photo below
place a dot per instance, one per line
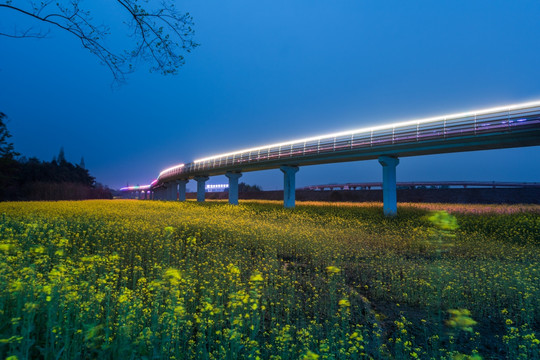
(128, 279)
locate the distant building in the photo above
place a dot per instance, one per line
(217, 187)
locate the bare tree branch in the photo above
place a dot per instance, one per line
(160, 36)
(26, 33)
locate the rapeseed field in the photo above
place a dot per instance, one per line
(130, 279)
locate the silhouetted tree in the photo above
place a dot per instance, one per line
(160, 33)
(243, 187)
(33, 170)
(61, 156)
(8, 164)
(7, 150)
(30, 178)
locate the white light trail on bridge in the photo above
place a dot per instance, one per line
(377, 128)
(171, 168)
(136, 187)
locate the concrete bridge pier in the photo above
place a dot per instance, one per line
(182, 189)
(166, 191)
(171, 191)
(389, 165)
(289, 185)
(233, 186)
(174, 191)
(201, 181)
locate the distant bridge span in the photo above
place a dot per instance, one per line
(424, 184)
(494, 128)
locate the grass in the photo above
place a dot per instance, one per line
(141, 279)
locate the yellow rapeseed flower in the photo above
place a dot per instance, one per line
(256, 277)
(461, 319)
(332, 270)
(310, 355)
(173, 276)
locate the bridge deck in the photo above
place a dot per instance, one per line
(512, 126)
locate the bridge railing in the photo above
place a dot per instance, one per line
(470, 124)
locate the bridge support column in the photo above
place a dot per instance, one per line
(233, 186)
(201, 180)
(389, 165)
(289, 185)
(167, 192)
(175, 190)
(182, 189)
(171, 191)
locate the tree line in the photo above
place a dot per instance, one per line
(243, 187)
(24, 178)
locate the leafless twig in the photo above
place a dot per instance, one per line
(161, 36)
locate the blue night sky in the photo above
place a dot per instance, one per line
(271, 71)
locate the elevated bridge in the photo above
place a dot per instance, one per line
(495, 128)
